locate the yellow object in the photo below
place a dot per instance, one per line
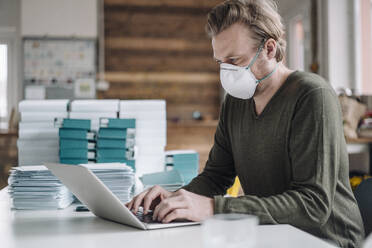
(234, 190)
(356, 180)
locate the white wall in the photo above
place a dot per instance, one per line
(59, 18)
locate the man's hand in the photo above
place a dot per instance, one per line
(183, 204)
(148, 199)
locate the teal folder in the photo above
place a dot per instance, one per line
(73, 161)
(172, 177)
(118, 123)
(185, 157)
(130, 163)
(111, 143)
(112, 133)
(188, 176)
(111, 153)
(69, 133)
(76, 124)
(76, 153)
(75, 143)
(191, 165)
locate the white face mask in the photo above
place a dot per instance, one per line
(239, 81)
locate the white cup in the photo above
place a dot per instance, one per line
(230, 231)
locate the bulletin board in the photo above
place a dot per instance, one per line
(58, 62)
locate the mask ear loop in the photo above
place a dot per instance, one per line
(257, 54)
(254, 59)
(268, 75)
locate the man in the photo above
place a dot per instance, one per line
(279, 131)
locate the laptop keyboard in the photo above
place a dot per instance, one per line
(146, 218)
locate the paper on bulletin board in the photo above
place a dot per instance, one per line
(85, 88)
(35, 92)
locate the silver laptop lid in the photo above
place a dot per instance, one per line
(93, 193)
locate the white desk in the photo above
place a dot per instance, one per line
(69, 229)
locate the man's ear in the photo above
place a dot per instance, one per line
(270, 48)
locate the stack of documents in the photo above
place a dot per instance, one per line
(186, 162)
(151, 132)
(118, 177)
(169, 180)
(94, 110)
(35, 187)
(37, 137)
(116, 141)
(76, 141)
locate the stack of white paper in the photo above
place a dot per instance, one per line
(94, 110)
(35, 187)
(37, 136)
(151, 132)
(118, 177)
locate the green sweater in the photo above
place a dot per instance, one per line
(291, 161)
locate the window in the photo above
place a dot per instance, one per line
(364, 46)
(297, 50)
(3, 81)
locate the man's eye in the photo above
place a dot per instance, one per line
(233, 61)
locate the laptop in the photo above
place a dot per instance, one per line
(101, 201)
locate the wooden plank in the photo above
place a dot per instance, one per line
(177, 99)
(167, 44)
(136, 63)
(160, 25)
(162, 3)
(162, 77)
(172, 96)
(184, 112)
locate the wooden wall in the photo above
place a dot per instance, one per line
(8, 155)
(158, 49)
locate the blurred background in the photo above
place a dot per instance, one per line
(158, 49)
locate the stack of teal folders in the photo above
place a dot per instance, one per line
(186, 162)
(116, 141)
(76, 141)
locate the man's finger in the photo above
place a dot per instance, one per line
(137, 201)
(129, 204)
(179, 213)
(149, 197)
(167, 206)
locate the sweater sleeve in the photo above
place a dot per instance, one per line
(314, 152)
(219, 172)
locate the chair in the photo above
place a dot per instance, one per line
(363, 195)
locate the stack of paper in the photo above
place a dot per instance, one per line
(186, 162)
(76, 141)
(37, 137)
(151, 132)
(116, 141)
(94, 110)
(118, 177)
(169, 180)
(35, 187)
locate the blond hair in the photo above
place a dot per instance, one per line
(260, 16)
